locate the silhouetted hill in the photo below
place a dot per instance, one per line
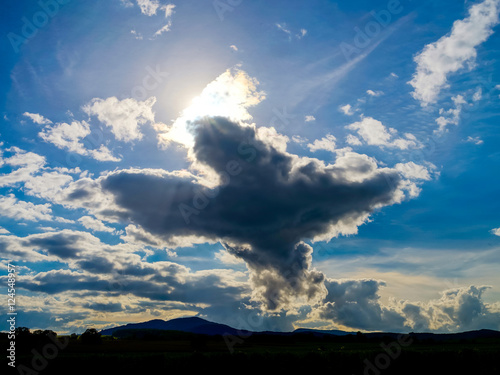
(205, 327)
(323, 332)
(192, 325)
(470, 335)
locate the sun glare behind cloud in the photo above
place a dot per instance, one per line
(229, 95)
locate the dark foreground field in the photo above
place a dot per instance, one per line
(172, 352)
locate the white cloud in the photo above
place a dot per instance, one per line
(228, 258)
(326, 143)
(169, 11)
(271, 137)
(136, 34)
(394, 75)
(138, 236)
(4, 231)
(353, 140)
(95, 224)
(450, 53)
(37, 118)
(164, 29)
(299, 139)
(39, 180)
(103, 154)
(28, 163)
(496, 231)
(124, 117)
(413, 171)
(69, 137)
(148, 7)
(476, 140)
(477, 95)
(233, 47)
(13, 208)
(374, 93)
(452, 115)
(47, 229)
(373, 132)
(48, 184)
(309, 118)
(283, 27)
(346, 110)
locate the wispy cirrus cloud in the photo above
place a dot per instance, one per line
(298, 35)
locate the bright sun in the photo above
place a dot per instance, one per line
(229, 95)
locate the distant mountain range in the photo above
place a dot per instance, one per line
(205, 327)
(191, 325)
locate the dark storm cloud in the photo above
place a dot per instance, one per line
(267, 203)
(104, 307)
(61, 245)
(355, 303)
(209, 289)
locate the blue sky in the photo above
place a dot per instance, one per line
(114, 114)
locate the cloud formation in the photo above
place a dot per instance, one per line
(453, 51)
(11, 207)
(148, 7)
(94, 277)
(450, 116)
(69, 137)
(37, 118)
(265, 204)
(356, 304)
(373, 132)
(124, 117)
(326, 143)
(230, 95)
(346, 110)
